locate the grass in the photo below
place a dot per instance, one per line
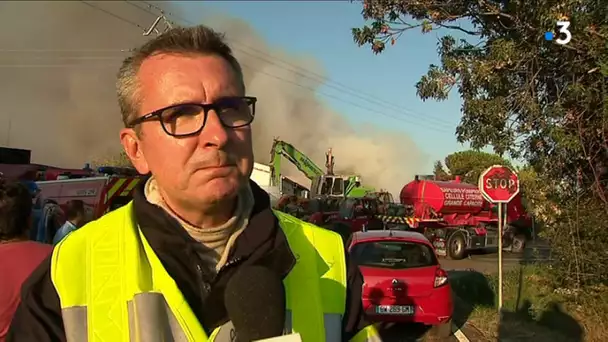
(532, 309)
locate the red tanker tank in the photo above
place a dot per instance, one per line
(443, 197)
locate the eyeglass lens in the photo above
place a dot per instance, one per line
(189, 118)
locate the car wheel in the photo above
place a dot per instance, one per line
(443, 330)
(457, 246)
(518, 244)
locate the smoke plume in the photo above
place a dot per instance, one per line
(57, 79)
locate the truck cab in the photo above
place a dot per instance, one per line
(338, 186)
(359, 214)
(328, 186)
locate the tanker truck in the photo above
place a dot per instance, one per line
(456, 218)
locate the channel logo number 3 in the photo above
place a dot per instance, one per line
(563, 29)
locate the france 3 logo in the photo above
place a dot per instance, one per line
(564, 36)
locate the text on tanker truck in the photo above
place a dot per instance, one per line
(462, 197)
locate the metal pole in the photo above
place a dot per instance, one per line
(500, 258)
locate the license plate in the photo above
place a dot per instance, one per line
(395, 309)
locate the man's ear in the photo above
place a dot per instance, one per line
(132, 147)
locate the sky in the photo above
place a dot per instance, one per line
(322, 30)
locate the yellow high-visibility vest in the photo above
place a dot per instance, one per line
(112, 286)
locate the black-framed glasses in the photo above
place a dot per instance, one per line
(186, 119)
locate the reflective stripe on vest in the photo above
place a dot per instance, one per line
(113, 287)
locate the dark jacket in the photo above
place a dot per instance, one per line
(38, 318)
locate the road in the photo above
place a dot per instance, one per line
(481, 262)
(487, 262)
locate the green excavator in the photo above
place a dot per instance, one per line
(324, 183)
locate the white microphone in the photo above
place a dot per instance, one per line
(285, 338)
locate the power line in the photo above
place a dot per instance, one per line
(312, 89)
(73, 65)
(62, 50)
(307, 73)
(113, 15)
(76, 58)
(67, 65)
(304, 72)
(399, 118)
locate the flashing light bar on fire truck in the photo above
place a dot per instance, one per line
(117, 171)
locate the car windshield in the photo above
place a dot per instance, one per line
(393, 254)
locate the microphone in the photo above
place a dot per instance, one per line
(255, 302)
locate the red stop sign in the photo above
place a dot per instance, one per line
(499, 184)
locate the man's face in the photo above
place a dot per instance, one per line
(196, 170)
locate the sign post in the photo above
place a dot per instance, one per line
(499, 185)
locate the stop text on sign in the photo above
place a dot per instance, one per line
(500, 183)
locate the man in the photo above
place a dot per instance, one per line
(74, 212)
(34, 191)
(18, 256)
(156, 269)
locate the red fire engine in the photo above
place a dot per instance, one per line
(105, 190)
(457, 219)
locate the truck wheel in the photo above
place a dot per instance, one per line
(457, 246)
(518, 244)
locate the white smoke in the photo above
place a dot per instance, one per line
(67, 114)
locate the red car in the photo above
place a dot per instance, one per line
(403, 281)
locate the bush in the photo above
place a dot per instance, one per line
(578, 238)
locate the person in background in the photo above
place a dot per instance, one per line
(34, 191)
(74, 212)
(18, 255)
(49, 217)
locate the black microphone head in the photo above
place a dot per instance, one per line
(255, 302)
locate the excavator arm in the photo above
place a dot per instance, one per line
(297, 158)
(323, 183)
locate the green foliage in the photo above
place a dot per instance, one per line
(522, 95)
(579, 236)
(440, 172)
(525, 97)
(117, 160)
(535, 195)
(468, 165)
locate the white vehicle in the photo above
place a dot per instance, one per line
(262, 175)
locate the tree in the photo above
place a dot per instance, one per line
(522, 95)
(470, 164)
(525, 97)
(440, 173)
(117, 160)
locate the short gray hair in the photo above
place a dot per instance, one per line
(180, 40)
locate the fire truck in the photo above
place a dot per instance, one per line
(456, 218)
(106, 189)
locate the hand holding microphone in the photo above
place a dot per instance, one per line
(255, 302)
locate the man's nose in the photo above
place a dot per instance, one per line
(214, 133)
